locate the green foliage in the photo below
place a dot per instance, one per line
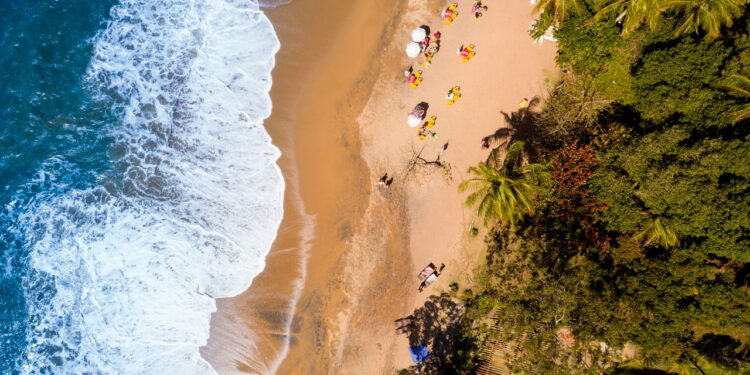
(677, 83)
(641, 231)
(587, 47)
(559, 9)
(654, 233)
(553, 12)
(497, 196)
(632, 13)
(707, 16)
(699, 188)
(739, 86)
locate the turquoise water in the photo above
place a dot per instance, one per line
(137, 183)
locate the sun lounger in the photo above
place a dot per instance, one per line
(430, 279)
(427, 271)
(401, 330)
(402, 322)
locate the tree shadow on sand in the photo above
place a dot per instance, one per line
(522, 127)
(436, 324)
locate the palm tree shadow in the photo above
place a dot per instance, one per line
(437, 325)
(522, 127)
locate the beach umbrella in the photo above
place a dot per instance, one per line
(419, 353)
(416, 116)
(413, 49)
(418, 34)
(413, 121)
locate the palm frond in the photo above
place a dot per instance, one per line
(656, 233)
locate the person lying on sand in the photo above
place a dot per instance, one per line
(450, 13)
(466, 53)
(453, 95)
(430, 122)
(424, 132)
(478, 9)
(431, 52)
(415, 79)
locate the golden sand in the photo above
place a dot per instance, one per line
(340, 107)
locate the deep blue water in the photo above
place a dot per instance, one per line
(49, 137)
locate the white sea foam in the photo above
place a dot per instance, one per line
(190, 210)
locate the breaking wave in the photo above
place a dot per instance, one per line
(126, 267)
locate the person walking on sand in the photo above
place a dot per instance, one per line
(382, 181)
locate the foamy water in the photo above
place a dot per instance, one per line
(189, 211)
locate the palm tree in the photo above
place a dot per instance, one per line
(559, 10)
(708, 16)
(498, 196)
(632, 13)
(739, 86)
(655, 233)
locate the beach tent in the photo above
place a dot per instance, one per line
(413, 49)
(419, 353)
(418, 34)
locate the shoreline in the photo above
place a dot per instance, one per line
(247, 332)
(365, 244)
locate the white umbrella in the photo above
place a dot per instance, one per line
(418, 34)
(413, 49)
(413, 121)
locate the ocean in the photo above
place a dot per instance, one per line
(137, 183)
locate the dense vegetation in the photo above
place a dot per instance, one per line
(621, 213)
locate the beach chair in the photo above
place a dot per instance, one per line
(426, 272)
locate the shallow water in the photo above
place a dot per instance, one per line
(137, 181)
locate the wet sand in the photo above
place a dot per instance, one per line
(340, 106)
(322, 79)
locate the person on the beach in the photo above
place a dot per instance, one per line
(523, 104)
(478, 9)
(453, 95)
(430, 122)
(415, 79)
(450, 13)
(382, 181)
(486, 142)
(466, 53)
(431, 52)
(424, 43)
(424, 132)
(430, 279)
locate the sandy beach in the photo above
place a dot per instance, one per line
(340, 107)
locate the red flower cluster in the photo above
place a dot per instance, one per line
(572, 201)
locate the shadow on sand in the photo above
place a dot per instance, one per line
(436, 324)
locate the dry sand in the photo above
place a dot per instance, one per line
(340, 106)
